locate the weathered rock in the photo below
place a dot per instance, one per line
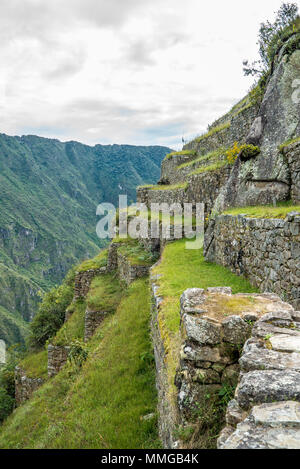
(257, 387)
(235, 414)
(264, 359)
(235, 330)
(286, 343)
(202, 331)
(191, 301)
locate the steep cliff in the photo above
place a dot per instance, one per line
(49, 192)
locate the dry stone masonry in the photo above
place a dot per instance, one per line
(57, 358)
(25, 386)
(92, 321)
(265, 413)
(265, 251)
(215, 325)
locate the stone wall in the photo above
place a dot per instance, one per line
(265, 413)
(292, 153)
(167, 409)
(92, 321)
(214, 327)
(83, 281)
(266, 251)
(149, 196)
(129, 272)
(201, 188)
(240, 125)
(25, 386)
(57, 358)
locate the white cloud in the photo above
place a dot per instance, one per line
(123, 71)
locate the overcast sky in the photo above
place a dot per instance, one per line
(143, 72)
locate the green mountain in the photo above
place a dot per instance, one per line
(49, 192)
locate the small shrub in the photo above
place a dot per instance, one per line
(51, 314)
(78, 353)
(244, 152)
(233, 153)
(6, 404)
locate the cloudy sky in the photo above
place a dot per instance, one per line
(124, 71)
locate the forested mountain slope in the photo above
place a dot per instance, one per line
(49, 192)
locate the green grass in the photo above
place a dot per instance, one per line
(213, 131)
(95, 263)
(134, 252)
(74, 328)
(105, 293)
(211, 156)
(288, 142)
(181, 269)
(101, 405)
(210, 168)
(265, 211)
(166, 187)
(181, 153)
(35, 364)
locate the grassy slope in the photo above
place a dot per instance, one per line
(49, 191)
(101, 406)
(265, 211)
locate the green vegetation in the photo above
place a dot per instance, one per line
(134, 252)
(51, 313)
(211, 156)
(102, 404)
(212, 167)
(181, 153)
(105, 293)
(7, 381)
(213, 131)
(49, 192)
(35, 364)
(265, 211)
(95, 263)
(244, 152)
(73, 329)
(284, 145)
(166, 187)
(180, 269)
(272, 36)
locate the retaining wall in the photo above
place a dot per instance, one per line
(266, 251)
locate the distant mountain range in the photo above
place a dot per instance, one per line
(49, 192)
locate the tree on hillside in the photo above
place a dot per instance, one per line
(270, 37)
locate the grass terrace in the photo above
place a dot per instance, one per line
(213, 131)
(95, 263)
(212, 167)
(134, 252)
(181, 153)
(179, 270)
(35, 364)
(211, 156)
(102, 404)
(265, 211)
